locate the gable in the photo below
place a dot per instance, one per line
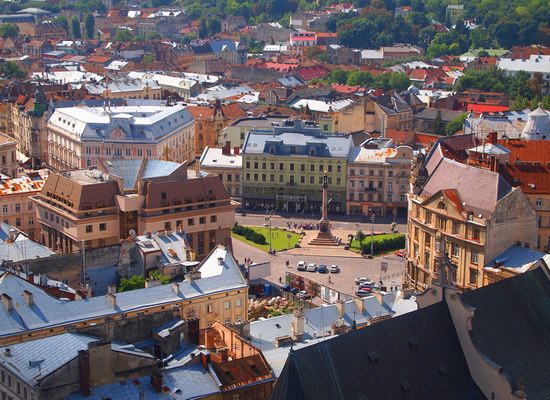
(447, 202)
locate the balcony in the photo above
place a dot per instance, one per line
(371, 189)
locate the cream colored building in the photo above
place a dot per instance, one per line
(215, 291)
(8, 158)
(16, 207)
(378, 181)
(99, 208)
(478, 214)
(78, 137)
(226, 163)
(126, 89)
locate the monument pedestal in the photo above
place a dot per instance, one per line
(324, 236)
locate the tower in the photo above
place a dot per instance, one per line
(324, 236)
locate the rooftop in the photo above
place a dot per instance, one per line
(48, 311)
(215, 158)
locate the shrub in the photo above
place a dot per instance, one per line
(249, 234)
(387, 244)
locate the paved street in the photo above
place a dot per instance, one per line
(350, 267)
(381, 224)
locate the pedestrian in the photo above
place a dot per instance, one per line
(280, 280)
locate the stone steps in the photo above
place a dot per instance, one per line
(320, 241)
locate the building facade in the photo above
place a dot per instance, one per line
(378, 181)
(476, 213)
(8, 156)
(210, 121)
(79, 136)
(284, 170)
(17, 208)
(227, 164)
(99, 208)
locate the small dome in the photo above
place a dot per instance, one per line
(537, 126)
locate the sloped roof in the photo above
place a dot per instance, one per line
(511, 326)
(36, 359)
(416, 353)
(531, 177)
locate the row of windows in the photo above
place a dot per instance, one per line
(15, 385)
(229, 177)
(226, 305)
(291, 179)
(321, 167)
(118, 151)
(370, 197)
(380, 173)
(379, 184)
(17, 207)
(190, 222)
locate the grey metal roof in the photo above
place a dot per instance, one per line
(414, 356)
(22, 248)
(330, 145)
(511, 326)
(48, 311)
(36, 359)
(517, 258)
(130, 170)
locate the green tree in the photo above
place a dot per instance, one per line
(439, 125)
(132, 283)
(203, 28)
(153, 36)
(11, 70)
(89, 25)
(149, 58)
(62, 20)
(9, 30)
(313, 52)
(214, 25)
(455, 125)
(360, 78)
(360, 238)
(399, 81)
(75, 28)
(338, 76)
(123, 35)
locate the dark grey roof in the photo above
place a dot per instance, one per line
(511, 326)
(392, 104)
(414, 356)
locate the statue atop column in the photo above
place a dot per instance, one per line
(324, 236)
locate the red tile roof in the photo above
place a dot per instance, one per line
(485, 108)
(529, 165)
(345, 89)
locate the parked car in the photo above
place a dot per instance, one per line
(311, 267)
(286, 287)
(294, 291)
(323, 269)
(334, 269)
(363, 293)
(366, 285)
(400, 253)
(358, 281)
(301, 266)
(304, 295)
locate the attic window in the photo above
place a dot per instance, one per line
(442, 206)
(373, 357)
(278, 326)
(405, 386)
(413, 342)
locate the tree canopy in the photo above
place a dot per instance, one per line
(9, 30)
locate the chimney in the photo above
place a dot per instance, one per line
(236, 150)
(149, 283)
(84, 372)
(7, 352)
(193, 275)
(492, 138)
(111, 298)
(224, 354)
(205, 359)
(28, 297)
(7, 301)
(297, 325)
(341, 307)
(88, 292)
(176, 288)
(220, 260)
(111, 289)
(156, 382)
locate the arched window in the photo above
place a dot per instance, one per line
(442, 206)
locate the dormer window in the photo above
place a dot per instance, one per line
(272, 150)
(442, 206)
(312, 151)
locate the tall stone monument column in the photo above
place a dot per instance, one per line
(324, 236)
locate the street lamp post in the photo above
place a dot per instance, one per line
(268, 215)
(372, 235)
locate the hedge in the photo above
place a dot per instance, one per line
(249, 234)
(387, 244)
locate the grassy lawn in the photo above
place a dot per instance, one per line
(280, 240)
(377, 239)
